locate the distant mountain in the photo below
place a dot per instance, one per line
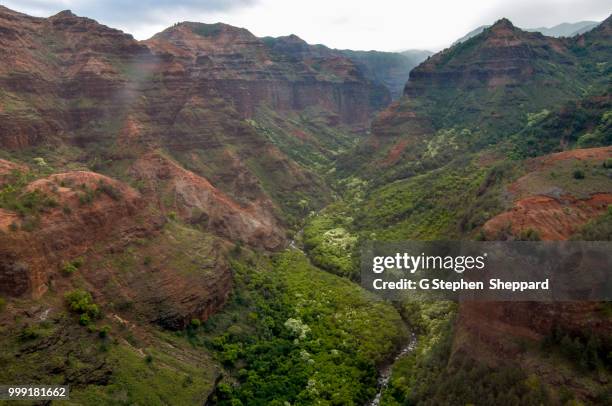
(384, 69)
(471, 34)
(417, 54)
(560, 30)
(487, 85)
(566, 29)
(390, 69)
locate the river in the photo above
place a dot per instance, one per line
(385, 372)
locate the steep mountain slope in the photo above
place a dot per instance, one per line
(285, 72)
(137, 179)
(73, 82)
(480, 92)
(448, 161)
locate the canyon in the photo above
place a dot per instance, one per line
(171, 178)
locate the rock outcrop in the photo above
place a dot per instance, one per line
(553, 214)
(101, 223)
(61, 72)
(195, 200)
(283, 73)
(87, 209)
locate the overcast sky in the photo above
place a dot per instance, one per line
(355, 24)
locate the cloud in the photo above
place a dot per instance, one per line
(127, 12)
(532, 14)
(355, 24)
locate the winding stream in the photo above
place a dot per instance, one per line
(385, 373)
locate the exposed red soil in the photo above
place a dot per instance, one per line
(590, 154)
(7, 168)
(491, 331)
(553, 219)
(114, 218)
(195, 199)
(396, 152)
(65, 231)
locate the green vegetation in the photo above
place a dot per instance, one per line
(529, 234)
(442, 203)
(584, 123)
(329, 244)
(587, 352)
(578, 174)
(103, 370)
(71, 267)
(206, 30)
(30, 203)
(429, 376)
(598, 229)
(81, 303)
(296, 334)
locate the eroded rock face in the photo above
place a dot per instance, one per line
(106, 223)
(68, 229)
(502, 56)
(194, 199)
(284, 73)
(52, 69)
(553, 214)
(60, 73)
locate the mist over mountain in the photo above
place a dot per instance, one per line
(559, 30)
(392, 69)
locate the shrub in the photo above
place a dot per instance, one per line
(71, 267)
(81, 303)
(40, 162)
(87, 197)
(68, 269)
(529, 235)
(29, 333)
(109, 190)
(608, 163)
(84, 320)
(104, 331)
(149, 359)
(578, 174)
(2, 304)
(78, 262)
